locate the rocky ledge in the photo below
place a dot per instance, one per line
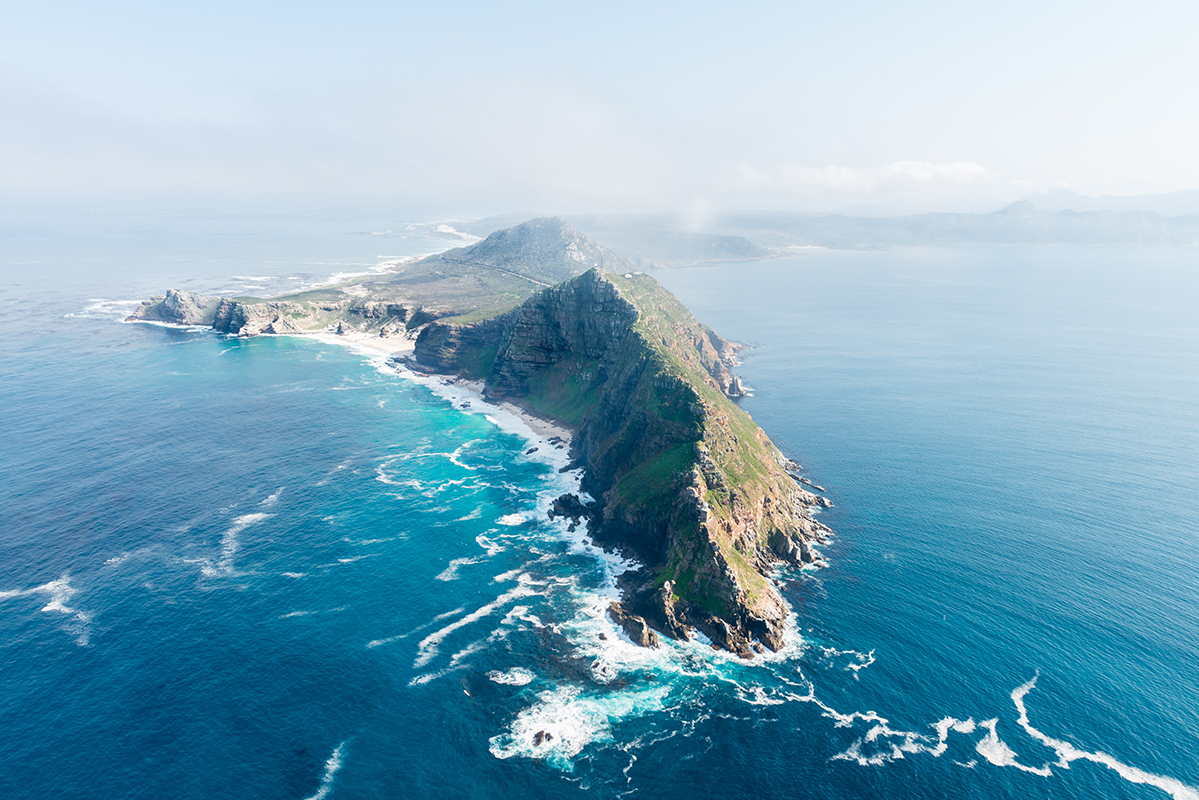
(685, 479)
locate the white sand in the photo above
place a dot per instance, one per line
(365, 342)
(395, 345)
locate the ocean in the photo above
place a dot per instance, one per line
(278, 568)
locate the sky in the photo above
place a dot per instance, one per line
(614, 106)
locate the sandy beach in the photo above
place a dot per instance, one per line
(400, 345)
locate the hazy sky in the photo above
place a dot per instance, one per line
(601, 105)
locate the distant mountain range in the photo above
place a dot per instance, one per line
(1170, 204)
(1018, 224)
(661, 240)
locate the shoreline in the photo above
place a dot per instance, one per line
(395, 348)
(543, 429)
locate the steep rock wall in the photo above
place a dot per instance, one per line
(686, 479)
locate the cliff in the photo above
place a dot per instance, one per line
(686, 479)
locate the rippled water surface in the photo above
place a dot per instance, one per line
(275, 568)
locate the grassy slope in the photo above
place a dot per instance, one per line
(736, 444)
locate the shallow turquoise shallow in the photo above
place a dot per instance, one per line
(272, 568)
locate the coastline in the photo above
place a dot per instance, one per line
(540, 429)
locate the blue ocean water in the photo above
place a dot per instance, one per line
(275, 568)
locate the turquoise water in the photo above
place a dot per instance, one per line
(275, 568)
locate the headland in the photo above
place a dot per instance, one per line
(541, 317)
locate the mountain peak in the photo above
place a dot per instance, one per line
(547, 249)
(1020, 208)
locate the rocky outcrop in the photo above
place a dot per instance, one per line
(177, 307)
(635, 627)
(280, 316)
(685, 478)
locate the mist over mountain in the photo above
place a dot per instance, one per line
(1018, 224)
(1169, 204)
(667, 240)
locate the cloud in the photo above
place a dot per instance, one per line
(899, 177)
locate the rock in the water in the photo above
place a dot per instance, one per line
(177, 307)
(636, 627)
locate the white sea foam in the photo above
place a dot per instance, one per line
(295, 574)
(456, 456)
(461, 656)
(175, 325)
(517, 676)
(864, 660)
(572, 719)
(1066, 753)
(521, 614)
(104, 307)
(512, 519)
(272, 499)
(364, 542)
(378, 642)
(757, 696)
(421, 680)
(332, 765)
(58, 594)
(995, 750)
(352, 559)
(509, 419)
(487, 544)
(230, 544)
(450, 573)
(888, 745)
(428, 647)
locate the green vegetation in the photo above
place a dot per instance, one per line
(565, 391)
(477, 363)
(510, 301)
(654, 479)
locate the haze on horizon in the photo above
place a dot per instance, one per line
(622, 106)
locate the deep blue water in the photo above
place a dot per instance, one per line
(272, 568)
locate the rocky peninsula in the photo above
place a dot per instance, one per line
(683, 478)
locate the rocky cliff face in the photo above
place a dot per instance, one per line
(686, 479)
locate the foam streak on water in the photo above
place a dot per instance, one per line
(1067, 753)
(332, 766)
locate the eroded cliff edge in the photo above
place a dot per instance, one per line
(686, 479)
